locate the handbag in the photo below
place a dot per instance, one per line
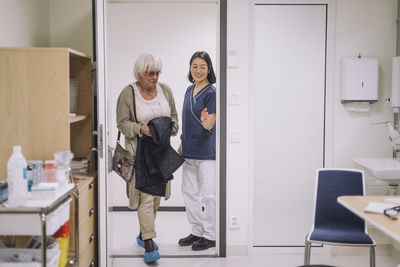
(122, 160)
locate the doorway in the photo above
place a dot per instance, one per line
(125, 25)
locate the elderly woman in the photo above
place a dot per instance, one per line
(138, 103)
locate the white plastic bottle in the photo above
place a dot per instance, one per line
(17, 178)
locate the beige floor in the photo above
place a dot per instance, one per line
(384, 258)
(126, 253)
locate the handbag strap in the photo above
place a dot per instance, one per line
(134, 109)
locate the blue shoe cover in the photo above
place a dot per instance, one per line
(141, 242)
(151, 256)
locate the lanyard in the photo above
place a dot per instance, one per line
(194, 101)
(198, 94)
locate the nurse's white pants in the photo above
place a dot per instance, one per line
(198, 190)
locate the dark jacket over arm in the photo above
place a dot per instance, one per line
(156, 160)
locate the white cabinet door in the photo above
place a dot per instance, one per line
(289, 118)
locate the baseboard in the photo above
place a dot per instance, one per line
(395, 249)
(379, 237)
(237, 250)
(287, 250)
(380, 250)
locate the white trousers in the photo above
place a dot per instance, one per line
(199, 194)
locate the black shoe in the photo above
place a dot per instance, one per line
(203, 244)
(189, 240)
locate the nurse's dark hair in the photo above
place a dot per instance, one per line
(206, 57)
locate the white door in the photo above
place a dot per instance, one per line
(289, 111)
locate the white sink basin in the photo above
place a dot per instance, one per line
(385, 169)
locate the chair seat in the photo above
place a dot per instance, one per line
(342, 236)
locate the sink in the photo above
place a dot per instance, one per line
(385, 169)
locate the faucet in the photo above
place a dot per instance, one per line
(393, 133)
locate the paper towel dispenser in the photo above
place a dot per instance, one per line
(359, 79)
(395, 98)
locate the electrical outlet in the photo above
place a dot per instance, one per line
(234, 222)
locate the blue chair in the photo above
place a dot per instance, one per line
(333, 224)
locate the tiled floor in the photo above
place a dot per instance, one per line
(172, 226)
(262, 259)
(169, 226)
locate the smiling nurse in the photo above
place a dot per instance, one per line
(198, 149)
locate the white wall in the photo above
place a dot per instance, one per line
(44, 23)
(24, 23)
(362, 26)
(71, 25)
(369, 28)
(237, 180)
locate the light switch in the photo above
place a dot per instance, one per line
(232, 58)
(234, 137)
(234, 99)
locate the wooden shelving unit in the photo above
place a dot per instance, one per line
(35, 113)
(34, 103)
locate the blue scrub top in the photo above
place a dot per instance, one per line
(197, 142)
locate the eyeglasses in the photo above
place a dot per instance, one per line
(153, 73)
(392, 212)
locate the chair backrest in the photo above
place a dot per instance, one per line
(332, 183)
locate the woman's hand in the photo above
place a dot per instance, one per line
(144, 129)
(208, 120)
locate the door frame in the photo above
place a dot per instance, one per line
(329, 103)
(103, 143)
(102, 159)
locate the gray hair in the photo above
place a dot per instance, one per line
(146, 62)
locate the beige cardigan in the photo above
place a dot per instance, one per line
(130, 128)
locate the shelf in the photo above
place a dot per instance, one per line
(72, 53)
(81, 176)
(57, 212)
(77, 118)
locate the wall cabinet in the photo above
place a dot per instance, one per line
(35, 86)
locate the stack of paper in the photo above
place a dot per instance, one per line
(73, 94)
(79, 165)
(378, 207)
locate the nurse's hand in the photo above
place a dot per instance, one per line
(208, 120)
(144, 129)
(204, 115)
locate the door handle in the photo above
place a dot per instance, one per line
(99, 133)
